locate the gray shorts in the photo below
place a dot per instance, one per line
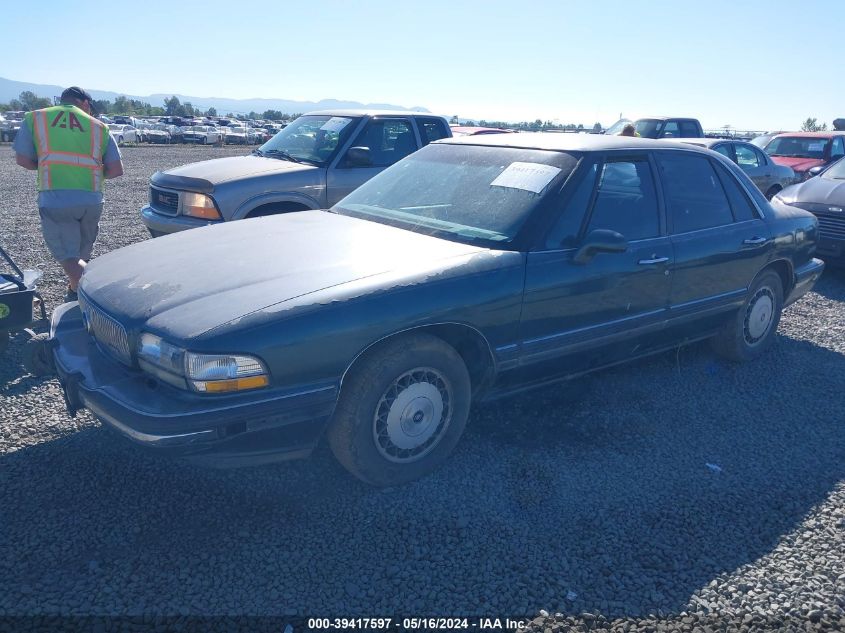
(70, 233)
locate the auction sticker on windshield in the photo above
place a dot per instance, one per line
(335, 124)
(531, 177)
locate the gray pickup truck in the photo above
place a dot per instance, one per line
(661, 127)
(311, 164)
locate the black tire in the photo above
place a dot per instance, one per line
(772, 192)
(203, 140)
(415, 383)
(752, 330)
(37, 356)
(120, 140)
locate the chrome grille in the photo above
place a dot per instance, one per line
(831, 224)
(108, 333)
(166, 202)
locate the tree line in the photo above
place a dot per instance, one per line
(28, 100)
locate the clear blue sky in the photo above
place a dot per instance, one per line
(755, 64)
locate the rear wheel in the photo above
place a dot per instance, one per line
(752, 331)
(120, 140)
(401, 410)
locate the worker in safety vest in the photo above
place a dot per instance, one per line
(73, 152)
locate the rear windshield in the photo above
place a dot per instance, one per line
(797, 147)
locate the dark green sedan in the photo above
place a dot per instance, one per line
(474, 267)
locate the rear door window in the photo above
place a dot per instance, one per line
(689, 129)
(695, 198)
(431, 129)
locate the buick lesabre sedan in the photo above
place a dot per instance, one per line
(474, 267)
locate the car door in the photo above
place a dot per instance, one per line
(718, 239)
(753, 163)
(595, 312)
(388, 139)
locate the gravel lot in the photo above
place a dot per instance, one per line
(674, 493)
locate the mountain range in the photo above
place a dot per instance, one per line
(10, 89)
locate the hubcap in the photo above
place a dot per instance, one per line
(412, 415)
(759, 316)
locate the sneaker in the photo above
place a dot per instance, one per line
(71, 296)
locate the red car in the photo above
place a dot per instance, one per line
(805, 150)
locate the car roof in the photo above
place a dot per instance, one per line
(666, 118)
(565, 142)
(369, 112)
(830, 134)
(709, 141)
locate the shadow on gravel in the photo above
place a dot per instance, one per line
(14, 378)
(832, 283)
(622, 493)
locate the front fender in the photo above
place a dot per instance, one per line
(275, 197)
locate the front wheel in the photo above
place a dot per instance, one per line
(752, 331)
(401, 410)
(120, 140)
(37, 357)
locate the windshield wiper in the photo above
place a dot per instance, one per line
(257, 152)
(281, 154)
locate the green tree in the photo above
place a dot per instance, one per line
(103, 106)
(597, 127)
(15, 104)
(30, 101)
(122, 105)
(212, 111)
(172, 106)
(810, 125)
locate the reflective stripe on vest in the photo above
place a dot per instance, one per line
(69, 157)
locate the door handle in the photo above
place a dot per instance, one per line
(755, 241)
(653, 260)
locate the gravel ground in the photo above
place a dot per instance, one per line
(676, 493)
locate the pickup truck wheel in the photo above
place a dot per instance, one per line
(401, 411)
(752, 331)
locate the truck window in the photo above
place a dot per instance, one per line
(671, 130)
(689, 129)
(431, 130)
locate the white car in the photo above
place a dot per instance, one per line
(123, 133)
(202, 134)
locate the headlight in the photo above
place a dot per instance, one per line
(205, 373)
(198, 205)
(220, 373)
(165, 361)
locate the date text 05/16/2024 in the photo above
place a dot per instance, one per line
(414, 623)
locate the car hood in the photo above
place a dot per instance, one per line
(220, 170)
(797, 164)
(192, 281)
(817, 190)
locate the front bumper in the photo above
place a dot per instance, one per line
(158, 224)
(805, 278)
(240, 430)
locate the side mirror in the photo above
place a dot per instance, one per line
(358, 157)
(815, 171)
(600, 241)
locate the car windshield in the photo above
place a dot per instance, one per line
(466, 193)
(797, 147)
(310, 138)
(616, 128)
(835, 171)
(648, 128)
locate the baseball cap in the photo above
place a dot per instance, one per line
(75, 92)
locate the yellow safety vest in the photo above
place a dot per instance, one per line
(71, 146)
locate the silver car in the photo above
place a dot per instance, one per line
(769, 177)
(311, 164)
